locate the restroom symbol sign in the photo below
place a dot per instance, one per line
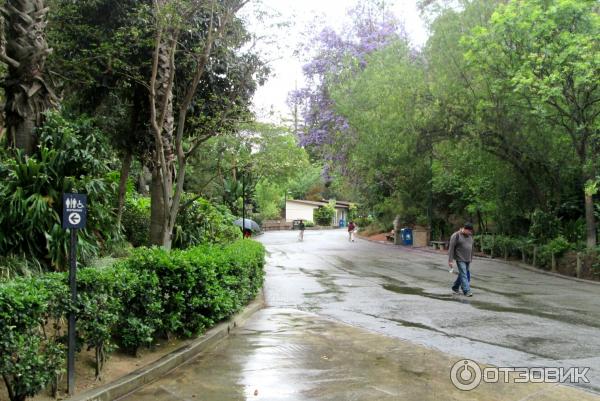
(74, 210)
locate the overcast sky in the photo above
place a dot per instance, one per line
(280, 42)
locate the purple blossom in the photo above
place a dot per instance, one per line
(325, 129)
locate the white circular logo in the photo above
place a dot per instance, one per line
(465, 375)
(74, 218)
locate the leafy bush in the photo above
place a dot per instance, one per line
(574, 230)
(99, 307)
(557, 247)
(17, 266)
(544, 226)
(309, 223)
(324, 215)
(149, 294)
(198, 222)
(201, 222)
(364, 221)
(194, 287)
(501, 245)
(136, 220)
(71, 157)
(142, 310)
(353, 213)
(30, 360)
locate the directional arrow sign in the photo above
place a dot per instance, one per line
(74, 218)
(74, 211)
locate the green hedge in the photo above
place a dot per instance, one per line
(149, 295)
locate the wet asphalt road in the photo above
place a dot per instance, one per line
(517, 318)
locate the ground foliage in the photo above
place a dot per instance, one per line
(151, 294)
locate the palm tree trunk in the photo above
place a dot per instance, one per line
(25, 50)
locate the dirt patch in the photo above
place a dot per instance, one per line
(118, 365)
(379, 237)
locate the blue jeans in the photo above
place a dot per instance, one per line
(464, 277)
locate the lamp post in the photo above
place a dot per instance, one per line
(244, 203)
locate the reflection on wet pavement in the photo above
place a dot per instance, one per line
(284, 354)
(397, 322)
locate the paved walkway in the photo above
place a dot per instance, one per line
(365, 321)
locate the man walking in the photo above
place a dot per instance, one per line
(351, 231)
(301, 227)
(461, 250)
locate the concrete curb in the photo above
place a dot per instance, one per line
(508, 262)
(169, 362)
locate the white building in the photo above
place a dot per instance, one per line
(304, 210)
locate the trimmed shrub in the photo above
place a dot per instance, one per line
(194, 288)
(30, 360)
(152, 293)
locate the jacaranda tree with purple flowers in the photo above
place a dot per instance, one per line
(324, 132)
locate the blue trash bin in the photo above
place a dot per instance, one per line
(342, 223)
(407, 236)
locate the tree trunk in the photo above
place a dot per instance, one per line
(125, 168)
(25, 51)
(9, 389)
(161, 193)
(590, 221)
(159, 215)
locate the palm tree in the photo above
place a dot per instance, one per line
(24, 50)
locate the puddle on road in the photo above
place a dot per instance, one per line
(331, 289)
(524, 345)
(399, 289)
(487, 306)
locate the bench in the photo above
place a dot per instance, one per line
(443, 245)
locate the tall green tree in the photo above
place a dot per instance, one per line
(220, 29)
(388, 161)
(548, 54)
(99, 62)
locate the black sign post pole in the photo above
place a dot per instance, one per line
(73, 285)
(74, 218)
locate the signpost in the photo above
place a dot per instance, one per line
(74, 218)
